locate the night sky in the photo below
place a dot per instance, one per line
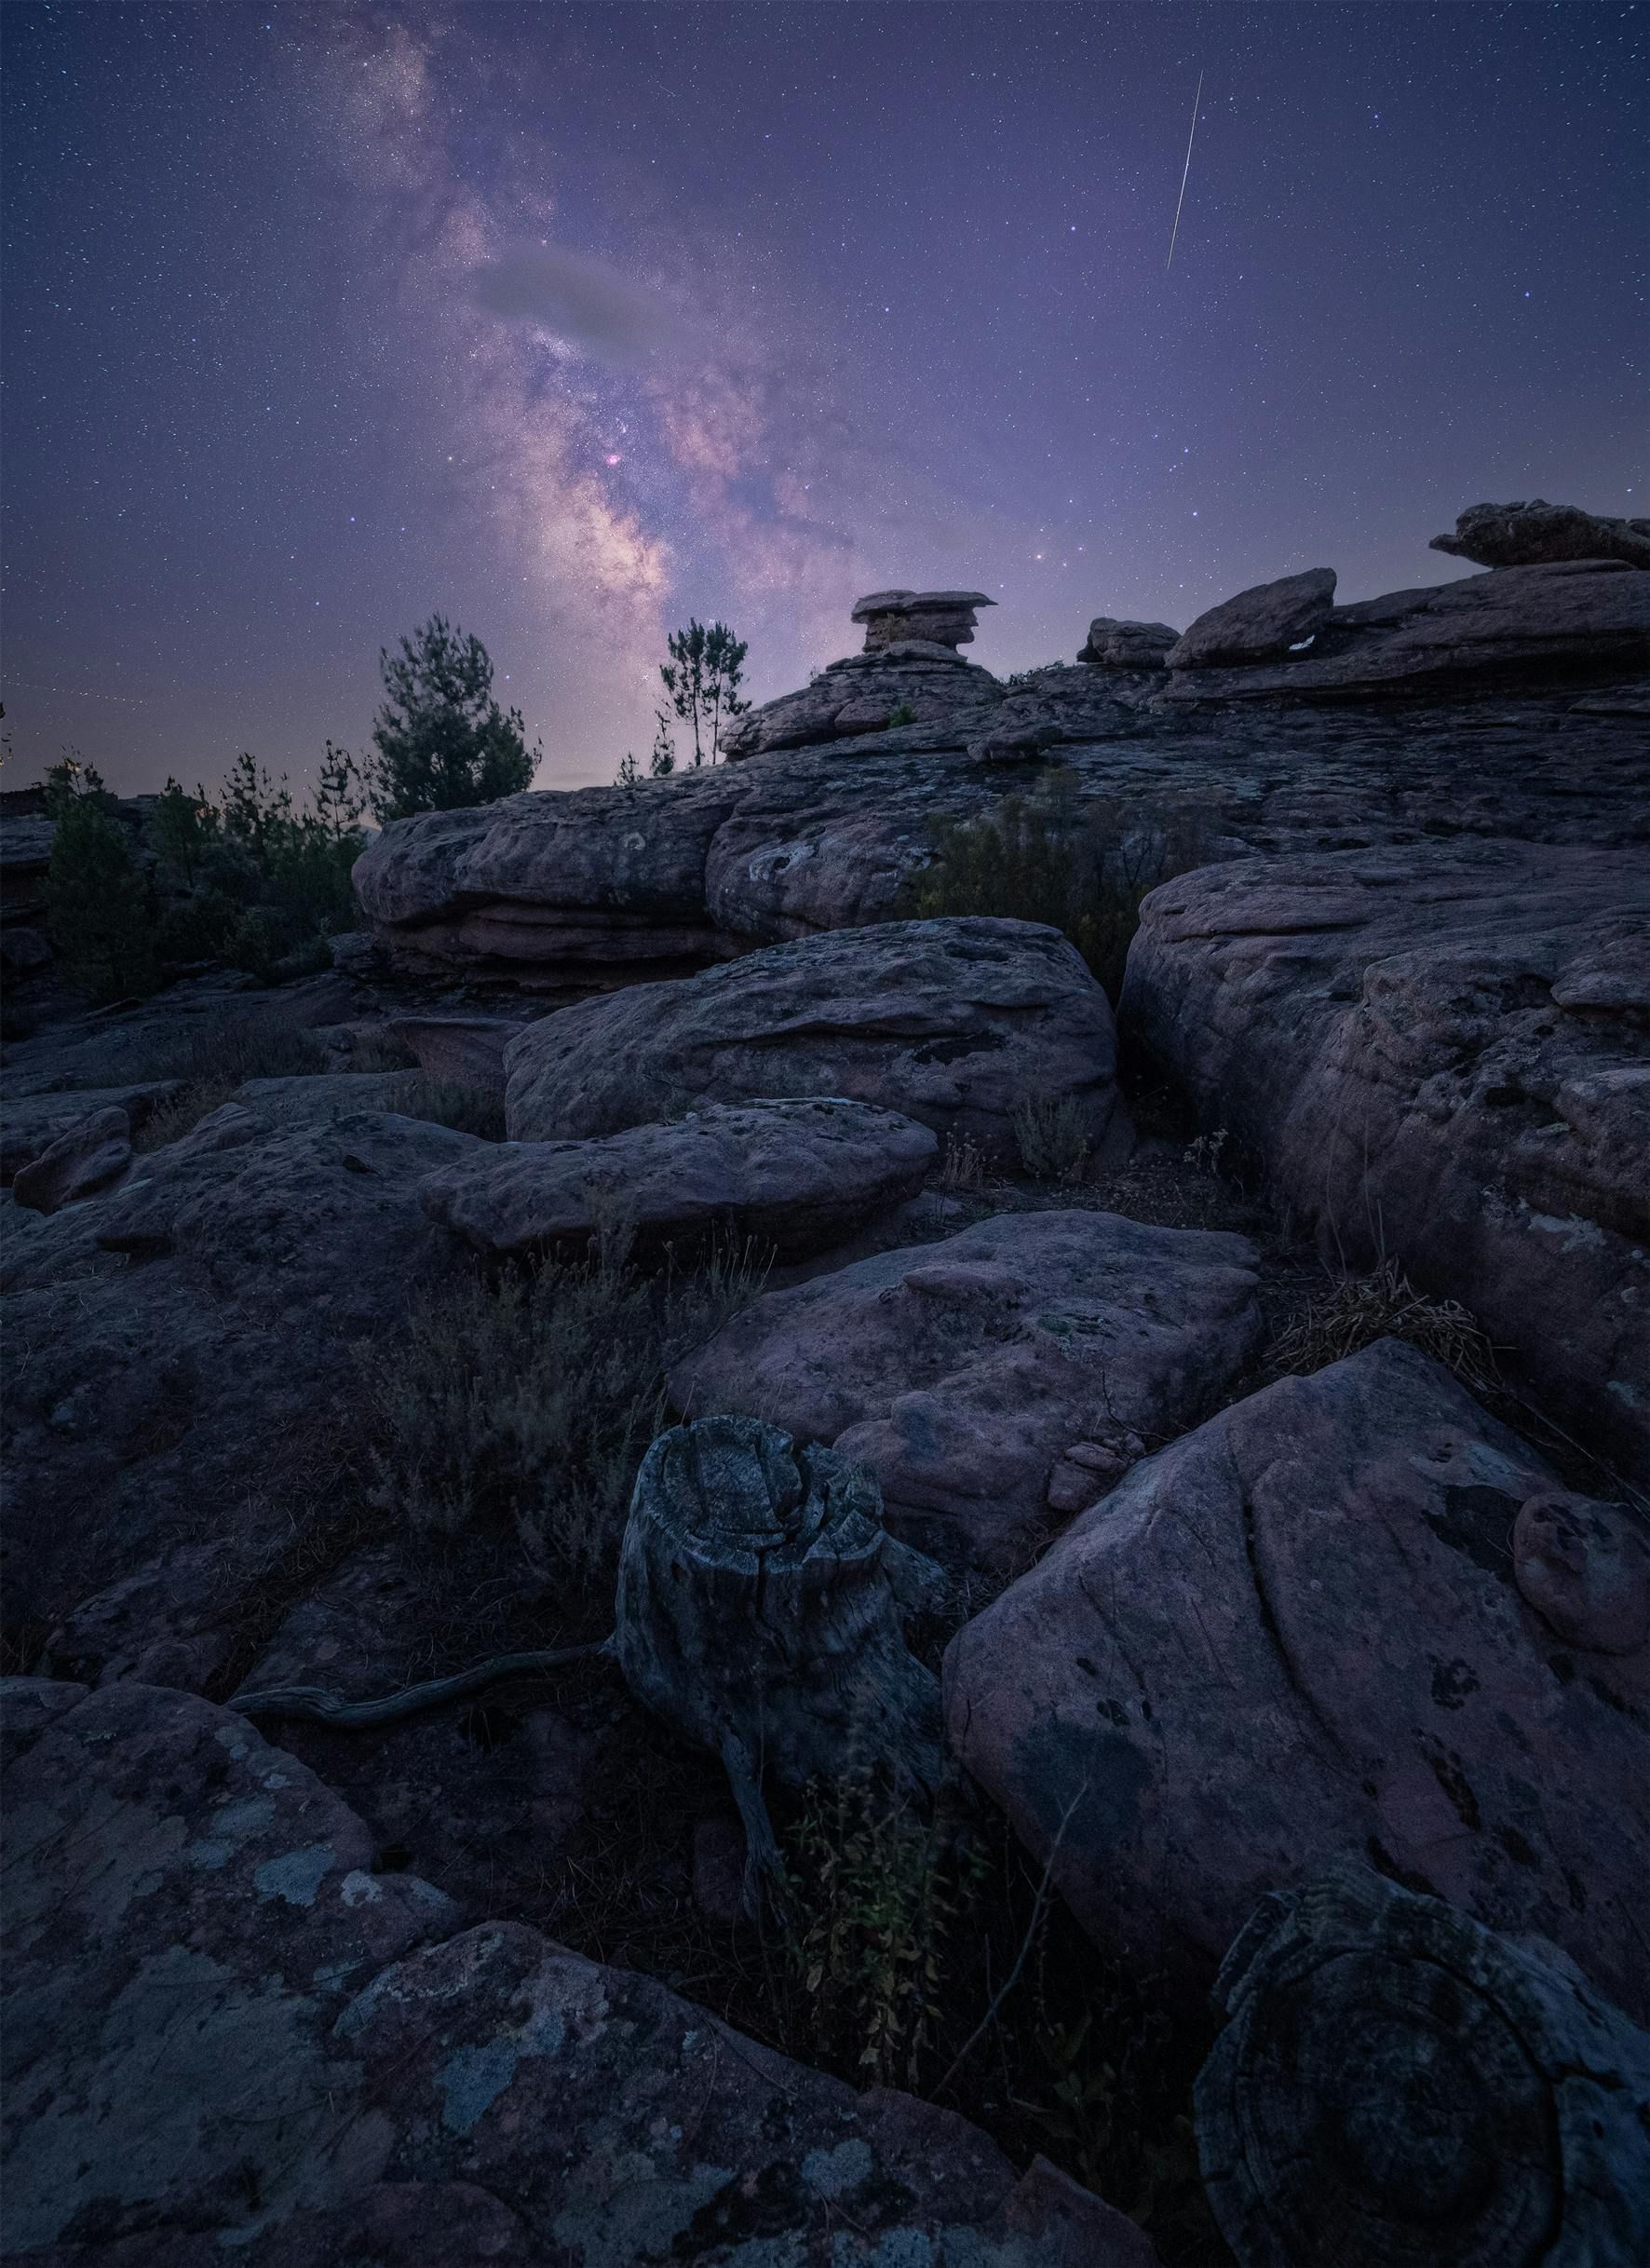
(572, 321)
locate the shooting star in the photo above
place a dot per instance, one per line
(1185, 176)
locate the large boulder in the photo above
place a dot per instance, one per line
(1298, 1635)
(1530, 535)
(1262, 624)
(998, 1381)
(1439, 1054)
(83, 1160)
(922, 689)
(1126, 645)
(795, 1176)
(32, 1124)
(1519, 625)
(952, 1022)
(227, 2030)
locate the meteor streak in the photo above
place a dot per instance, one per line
(1186, 175)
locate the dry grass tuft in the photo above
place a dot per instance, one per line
(1052, 1134)
(1356, 1311)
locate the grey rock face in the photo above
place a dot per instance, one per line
(225, 2030)
(933, 618)
(465, 1051)
(30, 1124)
(1439, 1051)
(1293, 1636)
(914, 688)
(1262, 624)
(970, 1375)
(1529, 535)
(951, 1023)
(798, 1175)
(1126, 645)
(1579, 615)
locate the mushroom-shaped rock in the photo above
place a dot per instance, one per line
(1266, 623)
(1397, 2086)
(1530, 535)
(932, 617)
(756, 1614)
(1586, 1570)
(1126, 645)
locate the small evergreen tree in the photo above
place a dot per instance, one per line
(629, 772)
(662, 762)
(97, 897)
(443, 740)
(702, 678)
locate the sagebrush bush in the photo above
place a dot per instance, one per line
(1081, 867)
(1051, 1131)
(528, 1399)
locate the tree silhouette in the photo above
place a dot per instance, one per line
(443, 740)
(702, 678)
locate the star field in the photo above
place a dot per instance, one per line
(571, 322)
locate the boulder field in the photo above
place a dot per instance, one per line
(1253, 1665)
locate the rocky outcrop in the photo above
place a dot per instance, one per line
(1266, 623)
(952, 1022)
(178, 1349)
(797, 1177)
(228, 2028)
(939, 697)
(1440, 1055)
(1296, 1635)
(85, 1158)
(1531, 535)
(998, 1381)
(1578, 616)
(32, 1124)
(926, 618)
(459, 1051)
(1126, 645)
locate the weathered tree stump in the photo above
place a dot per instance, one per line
(758, 1615)
(1398, 2086)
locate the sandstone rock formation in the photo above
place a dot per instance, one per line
(1266, 623)
(1579, 616)
(1530, 535)
(951, 1023)
(1126, 645)
(228, 2028)
(987, 1380)
(926, 690)
(87, 1157)
(926, 618)
(1296, 1635)
(1439, 1054)
(796, 1177)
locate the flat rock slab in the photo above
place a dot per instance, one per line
(952, 1022)
(179, 1351)
(225, 2032)
(962, 1373)
(797, 1175)
(1441, 1053)
(1528, 535)
(1295, 1637)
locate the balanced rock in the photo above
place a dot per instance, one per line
(1530, 535)
(1126, 645)
(952, 1022)
(990, 1379)
(228, 2032)
(1439, 1054)
(932, 617)
(1296, 1635)
(795, 1176)
(1263, 624)
(1397, 2086)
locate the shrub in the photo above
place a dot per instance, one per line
(1052, 1135)
(528, 1399)
(98, 901)
(213, 1055)
(881, 1896)
(447, 1102)
(1082, 867)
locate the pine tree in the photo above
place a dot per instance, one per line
(443, 740)
(702, 678)
(97, 900)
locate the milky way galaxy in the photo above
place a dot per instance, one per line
(572, 321)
